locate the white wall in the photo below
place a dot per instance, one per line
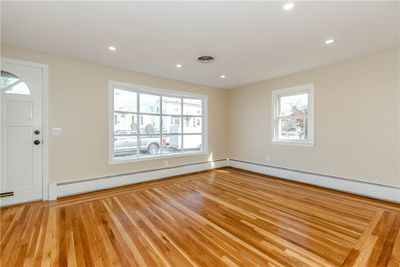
(356, 121)
(78, 103)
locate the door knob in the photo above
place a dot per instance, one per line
(36, 142)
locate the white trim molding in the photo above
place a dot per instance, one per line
(84, 186)
(159, 92)
(377, 191)
(276, 116)
(373, 190)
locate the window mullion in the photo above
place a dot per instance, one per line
(161, 125)
(193, 116)
(276, 119)
(293, 117)
(126, 146)
(181, 124)
(277, 128)
(203, 125)
(297, 127)
(138, 122)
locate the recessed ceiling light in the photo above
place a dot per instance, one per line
(112, 48)
(329, 41)
(179, 66)
(288, 6)
(223, 76)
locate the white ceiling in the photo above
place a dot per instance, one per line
(252, 41)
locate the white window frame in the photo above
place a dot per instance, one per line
(159, 92)
(276, 95)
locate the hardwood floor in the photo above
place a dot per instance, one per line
(215, 218)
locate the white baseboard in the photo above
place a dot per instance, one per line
(57, 190)
(384, 192)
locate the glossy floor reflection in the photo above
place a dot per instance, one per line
(222, 217)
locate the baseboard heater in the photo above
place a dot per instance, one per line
(378, 191)
(362, 188)
(57, 190)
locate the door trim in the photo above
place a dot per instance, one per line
(45, 106)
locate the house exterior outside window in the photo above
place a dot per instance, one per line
(147, 123)
(293, 115)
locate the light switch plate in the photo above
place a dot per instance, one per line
(56, 131)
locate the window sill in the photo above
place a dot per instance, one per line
(293, 143)
(157, 157)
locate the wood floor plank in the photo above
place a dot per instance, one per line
(224, 217)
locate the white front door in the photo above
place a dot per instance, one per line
(21, 132)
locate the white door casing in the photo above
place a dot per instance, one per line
(24, 163)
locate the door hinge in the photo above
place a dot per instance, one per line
(6, 194)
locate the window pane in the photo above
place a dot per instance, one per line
(149, 145)
(19, 89)
(125, 123)
(293, 129)
(171, 144)
(171, 124)
(125, 146)
(192, 143)
(171, 105)
(294, 105)
(149, 103)
(192, 107)
(125, 100)
(13, 84)
(7, 79)
(192, 125)
(149, 124)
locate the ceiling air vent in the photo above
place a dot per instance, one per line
(206, 59)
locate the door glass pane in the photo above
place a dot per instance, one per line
(293, 129)
(125, 100)
(19, 89)
(294, 105)
(192, 125)
(192, 107)
(7, 79)
(171, 144)
(125, 123)
(192, 143)
(171, 105)
(125, 146)
(12, 84)
(149, 124)
(149, 103)
(149, 145)
(171, 124)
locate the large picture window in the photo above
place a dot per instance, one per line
(150, 123)
(293, 115)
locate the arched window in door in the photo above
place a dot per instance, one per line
(11, 84)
